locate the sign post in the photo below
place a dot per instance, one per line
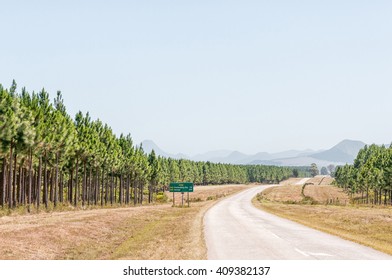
(182, 188)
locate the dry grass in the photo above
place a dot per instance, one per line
(290, 181)
(370, 226)
(319, 193)
(321, 180)
(147, 232)
(204, 193)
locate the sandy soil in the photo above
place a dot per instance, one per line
(291, 191)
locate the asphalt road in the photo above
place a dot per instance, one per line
(235, 229)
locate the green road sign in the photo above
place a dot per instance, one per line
(181, 187)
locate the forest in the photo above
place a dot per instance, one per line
(369, 178)
(48, 158)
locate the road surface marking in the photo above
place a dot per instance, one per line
(320, 254)
(275, 235)
(301, 252)
(308, 254)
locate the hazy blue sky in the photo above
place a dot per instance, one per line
(201, 75)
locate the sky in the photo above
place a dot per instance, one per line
(196, 76)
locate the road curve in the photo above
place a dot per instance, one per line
(235, 229)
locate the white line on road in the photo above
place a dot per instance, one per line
(320, 254)
(301, 252)
(273, 234)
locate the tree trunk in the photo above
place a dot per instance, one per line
(107, 189)
(89, 186)
(96, 196)
(34, 187)
(115, 188)
(45, 182)
(390, 197)
(30, 181)
(25, 186)
(149, 193)
(39, 182)
(15, 180)
(71, 187)
(120, 196)
(61, 188)
(127, 198)
(76, 183)
(367, 195)
(20, 188)
(10, 180)
(141, 193)
(134, 184)
(84, 183)
(51, 174)
(103, 186)
(56, 181)
(385, 197)
(111, 188)
(4, 182)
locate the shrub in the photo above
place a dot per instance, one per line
(161, 198)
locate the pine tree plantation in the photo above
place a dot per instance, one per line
(48, 158)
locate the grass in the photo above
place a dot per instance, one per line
(157, 231)
(367, 225)
(173, 235)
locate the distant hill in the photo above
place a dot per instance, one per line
(297, 161)
(149, 145)
(233, 157)
(211, 155)
(345, 151)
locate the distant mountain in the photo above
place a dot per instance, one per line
(149, 145)
(234, 157)
(297, 161)
(263, 156)
(211, 155)
(345, 151)
(266, 158)
(180, 155)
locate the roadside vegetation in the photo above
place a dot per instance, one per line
(147, 232)
(369, 179)
(328, 208)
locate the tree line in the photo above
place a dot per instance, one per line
(47, 158)
(370, 177)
